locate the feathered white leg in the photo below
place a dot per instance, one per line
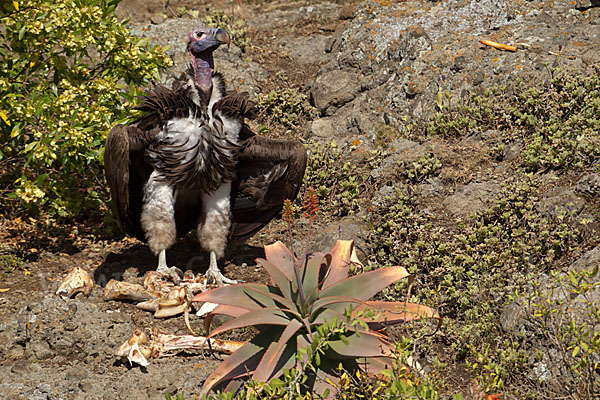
(213, 233)
(158, 222)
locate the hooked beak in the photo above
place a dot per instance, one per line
(202, 40)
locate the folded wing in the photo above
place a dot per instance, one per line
(126, 172)
(268, 172)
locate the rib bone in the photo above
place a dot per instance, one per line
(138, 349)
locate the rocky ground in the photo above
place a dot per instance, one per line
(372, 71)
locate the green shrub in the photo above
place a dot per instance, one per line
(69, 70)
(470, 269)
(235, 26)
(560, 121)
(419, 170)
(338, 182)
(285, 107)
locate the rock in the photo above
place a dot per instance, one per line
(401, 145)
(387, 195)
(346, 229)
(471, 198)
(583, 5)
(460, 62)
(347, 12)
(432, 187)
(589, 184)
(560, 200)
(334, 89)
(39, 349)
(399, 45)
(21, 367)
(400, 150)
(14, 352)
(37, 395)
(44, 387)
(305, 50)
(323, 128)
(588, 261)
(513, 150)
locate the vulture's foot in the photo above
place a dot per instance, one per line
(174, 273)
(214, 275)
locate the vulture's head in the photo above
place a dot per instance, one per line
(201, 42)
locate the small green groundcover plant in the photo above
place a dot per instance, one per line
(315, 322)
(69, 70)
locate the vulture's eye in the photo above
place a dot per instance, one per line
(200, 35)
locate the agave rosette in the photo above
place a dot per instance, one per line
(302, 297)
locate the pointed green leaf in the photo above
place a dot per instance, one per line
(366, 285)
(285, 284)
(22, 32)
(310, 276)
(239, 296)
(367, 344)
(246, 358)
(223, 309)
(282, 258)
(272, 364)
(340, 260)
(264, 316)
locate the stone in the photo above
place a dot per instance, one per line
(588, 261)
(39, 349)
(433, 186)
(560, 200)
(21, 367)
(313, 51)
(347, 12)
(471, 198)
(589, 184)
(322, 128)
(333, 89)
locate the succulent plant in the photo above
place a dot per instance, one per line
(304, 296)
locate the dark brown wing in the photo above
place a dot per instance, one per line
(126, 173)
(268, 172)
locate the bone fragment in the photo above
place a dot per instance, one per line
(138, 349)
(78, 280)
(118, 290)
(173, 303)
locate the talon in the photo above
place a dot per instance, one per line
(214, 274)
(218, 278)
(174, 273)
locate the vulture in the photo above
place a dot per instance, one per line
(190, 161)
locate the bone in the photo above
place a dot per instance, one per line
(173, 303)
(117, 290)
(158, 295)
(77, 281)
(169, 343)
(155, 281)
(138, 349)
